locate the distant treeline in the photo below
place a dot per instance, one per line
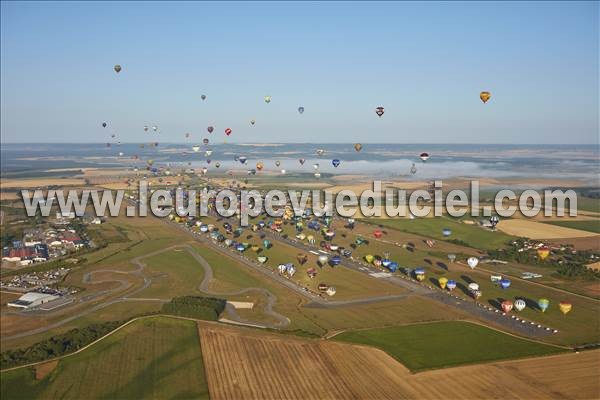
(58, 345)
(206, 308)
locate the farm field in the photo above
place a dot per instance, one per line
(283, 367)
(443, 344)
(155, 357)
(589, 225)
(540, 230)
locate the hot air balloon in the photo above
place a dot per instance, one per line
(145, 128)
(196, 148)
(300, 110)
(451, 257)
(283, 171)
(120, 154)
(262, 259)
(277, 163)
(472, 261)
(379, 111)
(259, 166)
(420, 274)
(210, 129)
(505, 283)
(267, 99)
(117, 68)
(543, 304)
(187, 135)
(155, 128)
(494, 221)
(302, 258)
(104, 124)
(507, 306)
(203, 97)
(358, 147)
(301, 161)
(320, 152)
(543, 253)
(317, 175)
(413, 169)
(446, 232)
(377, 233)
(565, 307)
(424, 157)
(442, 282)
(205, 141)
(451, 285)
(335, 162)
(520, 304)
(369, 258)
(476, 294)
(228, 131)
(208, 153)
(473, 286)
(204, 170)
(252, 122)
(485, 96)
(316, 166)
(218, 164)
(242, 159)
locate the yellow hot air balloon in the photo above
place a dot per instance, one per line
(565, 307)
(543, 253)
(420, 277)
(267, 99)
(442, 281)
(255, 248)
(485, 96)
(369, 258)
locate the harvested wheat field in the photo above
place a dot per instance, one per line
(246, 364)
(538, 230)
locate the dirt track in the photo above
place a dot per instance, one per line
(245, 364)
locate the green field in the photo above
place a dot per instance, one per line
(174, 273)
(156, 357)
(472, 235)
(444, 344)
(590, 226)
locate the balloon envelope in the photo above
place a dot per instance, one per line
(520, 304)
(543, 253)
(117, 68)
(485, 96)
(565, 307)
(443, 281)
(300, 110)
(504, 283)
(358, 147)
(335, 162)
(451, 284)
(472, 261)
(543, 304)
(507, 306)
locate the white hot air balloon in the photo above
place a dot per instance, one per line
(472, 261)
(520, 305)
(473, 287)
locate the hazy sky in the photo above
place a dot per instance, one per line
(424, 62)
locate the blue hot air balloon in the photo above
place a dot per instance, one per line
(335, 260)
(393, 267)
(504, 283)
(335, 162)
(300, 109)
(446, 232)
(386, 262)
(451, 284)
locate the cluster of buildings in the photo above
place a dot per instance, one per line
(40, 245)
(34, 280)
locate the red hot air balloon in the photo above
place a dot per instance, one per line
(507, 306)
(377, 234)
(228, 131)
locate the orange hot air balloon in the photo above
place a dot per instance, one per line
(543, 253)
(259, 166)
(565, 307)
(358, 147)
(485, 96)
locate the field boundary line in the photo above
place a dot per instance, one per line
(99, 339)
